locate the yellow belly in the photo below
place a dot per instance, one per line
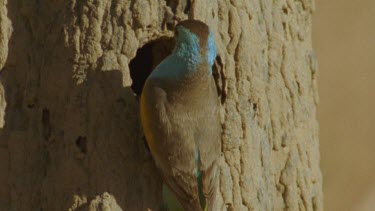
(146, 122)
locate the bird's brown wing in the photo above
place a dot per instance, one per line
(209, 142)
(172, 145)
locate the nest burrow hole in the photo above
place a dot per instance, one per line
(146, 59)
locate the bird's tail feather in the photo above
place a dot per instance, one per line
(170, 201)
(202, 199)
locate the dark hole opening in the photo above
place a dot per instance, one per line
(81, 143)
(218, 73)
(46, 124)
(255, 107)
(146, 59)
(187, 7)
(172, 4)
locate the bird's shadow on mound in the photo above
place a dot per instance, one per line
(85, 138)
(120, 147)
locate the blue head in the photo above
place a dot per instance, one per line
(195, 42)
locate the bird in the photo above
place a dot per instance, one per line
(179, 111)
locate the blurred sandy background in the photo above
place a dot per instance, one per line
(344, 40)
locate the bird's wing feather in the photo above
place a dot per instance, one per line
(172, 143)
(209, 142)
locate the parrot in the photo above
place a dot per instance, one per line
(179, 111)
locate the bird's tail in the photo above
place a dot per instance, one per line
(170, 201)
(202, 199)
(198, 174)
